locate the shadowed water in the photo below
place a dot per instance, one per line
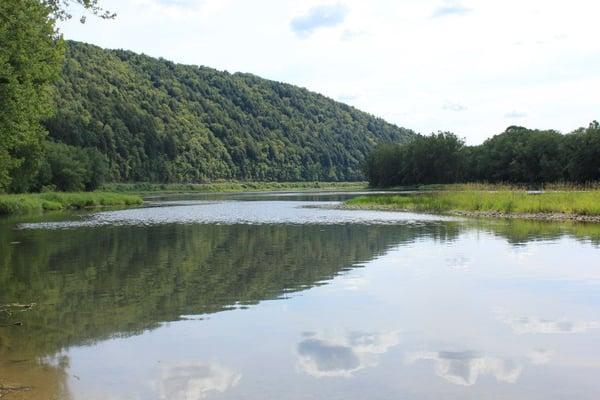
(271, 296)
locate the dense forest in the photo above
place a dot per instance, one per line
(73, 115)
(158, 121)
(518, 155)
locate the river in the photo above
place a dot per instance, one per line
(283, 296)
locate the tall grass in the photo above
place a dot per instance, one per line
(555, 186)
(38, 202)
(570, 202)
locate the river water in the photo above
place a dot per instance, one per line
(282, 296)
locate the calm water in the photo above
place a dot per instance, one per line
(276, 297)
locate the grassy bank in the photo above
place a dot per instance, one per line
(37, 202)
(556, 186)
(230, 186)
(584, 203)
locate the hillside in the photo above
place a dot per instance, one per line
(159, 121)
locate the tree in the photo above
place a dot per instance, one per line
(518, 155)
(30, 57)
(438, 158)
(59, 9)
(70, 168)
(583, 147)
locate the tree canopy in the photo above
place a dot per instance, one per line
(518, 155)
(30, 55)
(159, 121)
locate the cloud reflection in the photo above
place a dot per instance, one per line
(532, 324)
(342, 356)
(465, 367)
(540, 356)
(195, 381)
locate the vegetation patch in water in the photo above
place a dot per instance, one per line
(53, 201)
(507, 202)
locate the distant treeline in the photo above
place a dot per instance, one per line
(518, 155)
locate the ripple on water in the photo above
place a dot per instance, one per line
(240, 212)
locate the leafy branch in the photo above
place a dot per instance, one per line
(60, 9)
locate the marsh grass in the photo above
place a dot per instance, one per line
(555, 186)
(38, 202)
(568, 202)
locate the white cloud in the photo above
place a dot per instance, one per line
(453, 106)
(515, 114)
(350, 34)
(403, 63)
(318, 17)
(450, 8)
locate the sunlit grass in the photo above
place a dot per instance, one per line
(569, 202)
(555, 186)
(38, 202)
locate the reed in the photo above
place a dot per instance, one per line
(53, 201)
(504, 201)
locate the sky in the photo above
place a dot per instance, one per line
(472, 67)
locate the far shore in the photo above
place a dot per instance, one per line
(229, 187)
(133, 194)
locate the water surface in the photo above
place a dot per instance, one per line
(274, 296)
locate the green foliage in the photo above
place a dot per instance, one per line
(60, 9)
(158, 121)
(575, 202)
(69, 168)
(38, 202)
(517, 156)
(424, 159)
(30, 55)
(582, 163)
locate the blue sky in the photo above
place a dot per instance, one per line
(470, 67)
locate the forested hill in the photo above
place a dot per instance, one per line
(159, 121)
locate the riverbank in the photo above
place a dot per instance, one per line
(128, 194)
(231, 186)
(55, 201)
(553, 206)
